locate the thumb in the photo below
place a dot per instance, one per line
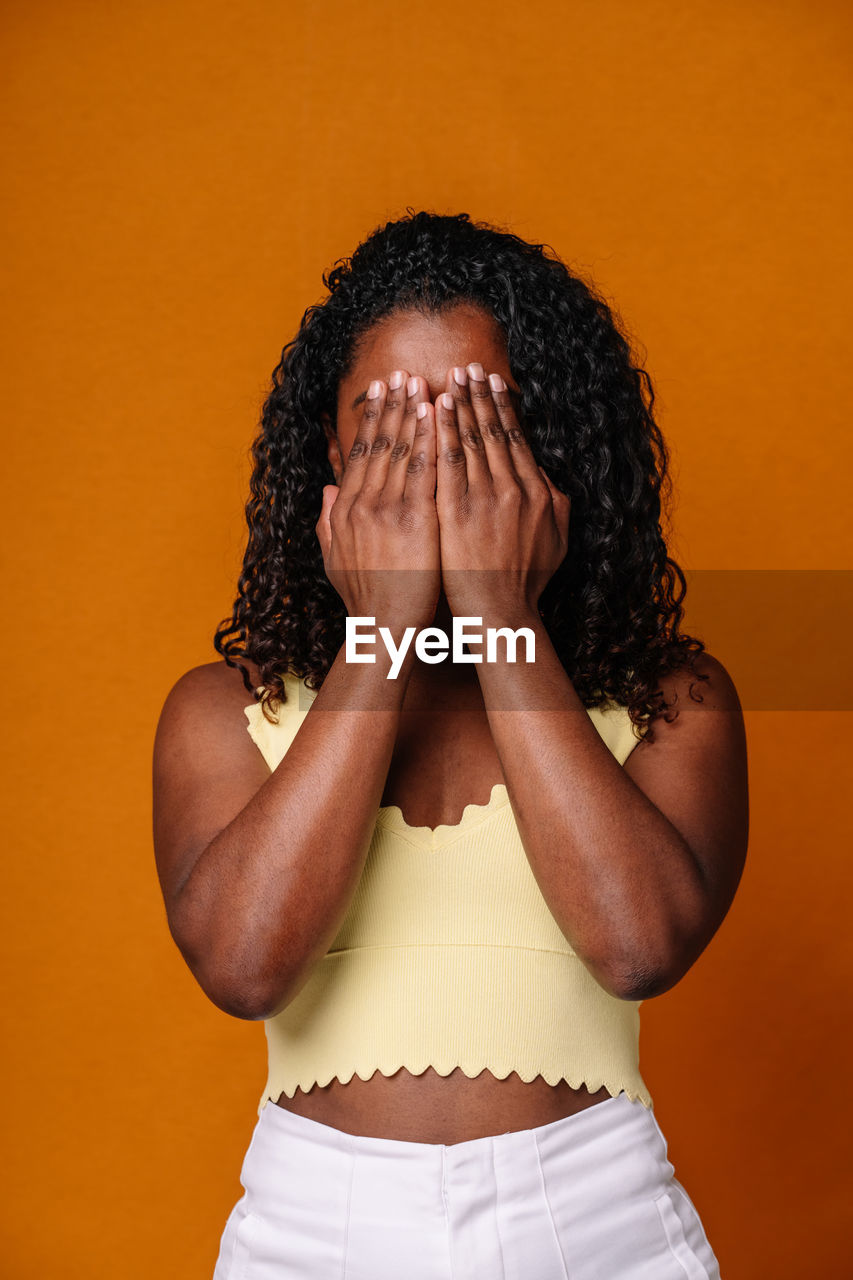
(323, 527)
(552, 488)
(556, 494)
(561, 503)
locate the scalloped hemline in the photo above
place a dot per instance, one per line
(592, 1083)
(391, 815)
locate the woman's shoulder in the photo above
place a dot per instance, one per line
(215, 682)
(203, 721)
(707, 685)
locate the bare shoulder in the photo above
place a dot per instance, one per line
(702, 705)
(695, 766)
(687, 687)
(203, 722)
(216, 681)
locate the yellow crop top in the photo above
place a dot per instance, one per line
(449, 956)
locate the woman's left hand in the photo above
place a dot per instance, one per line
(503, 525)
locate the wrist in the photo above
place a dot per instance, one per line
(494, 612)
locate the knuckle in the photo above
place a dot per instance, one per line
(404, 518)
(515, 435)
(381, 444)
(359, 448)
(453, 457)
(401, 448)
(360, 507)
(480, 390)
(494, 430)
(372, 411)
(394, 400)
(417, 463)
(471, 436)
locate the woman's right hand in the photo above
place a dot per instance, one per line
(378, 530)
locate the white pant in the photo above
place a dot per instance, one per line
(590, 1197)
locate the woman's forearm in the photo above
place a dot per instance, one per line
(267, 896)
(619, 879)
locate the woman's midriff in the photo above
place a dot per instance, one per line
(433, 1108)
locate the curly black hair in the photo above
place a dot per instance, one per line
(614, 606)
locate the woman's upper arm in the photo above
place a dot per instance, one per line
(206, 768)
(695, 773)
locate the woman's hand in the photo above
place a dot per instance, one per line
(503, 525)
(378, 530)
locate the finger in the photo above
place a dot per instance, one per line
(521, 454)
(465, 392)
(401, 453)
(421, 467)
(450, 460)
(491, 428)
(358, 457)
(387, 431)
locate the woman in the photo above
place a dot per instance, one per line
(448, 898)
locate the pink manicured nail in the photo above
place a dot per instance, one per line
(422, 409)
(446, 399)
(496, 382)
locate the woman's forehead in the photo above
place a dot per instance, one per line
(427, 344)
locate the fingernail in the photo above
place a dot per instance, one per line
(476, 372)
(446, 399)
(396, 380)
(374, 389)
(461, 376)
(496, 382)
(412, 386)
(422, 409)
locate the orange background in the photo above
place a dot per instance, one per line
(178, 176)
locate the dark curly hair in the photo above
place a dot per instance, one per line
(613, 608)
